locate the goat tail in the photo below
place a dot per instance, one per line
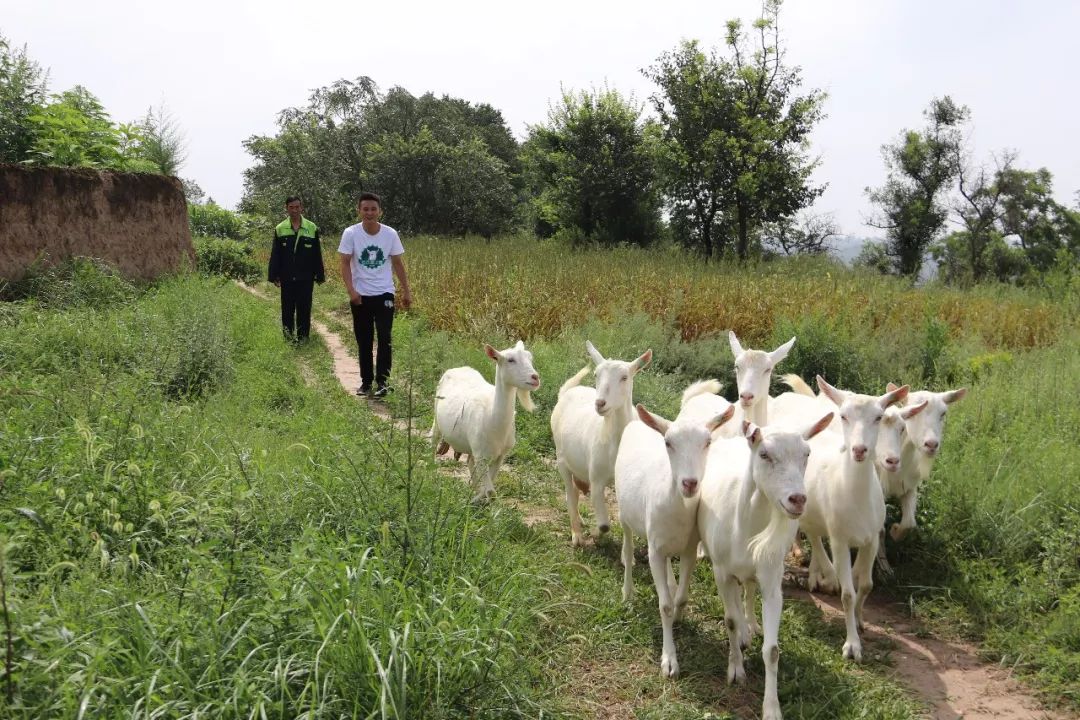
(700, 388)
(798, 385)
(574, 381)
(771, 544)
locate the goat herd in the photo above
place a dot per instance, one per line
(733, 483)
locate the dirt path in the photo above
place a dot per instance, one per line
(947, 676)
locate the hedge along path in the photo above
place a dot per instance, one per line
(947, 676)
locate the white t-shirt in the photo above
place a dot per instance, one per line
(371, 274)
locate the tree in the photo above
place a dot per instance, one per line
(1029, 212)
(735, 135)
(23, 89)
(874, 256)
(591, 172)
(922, 165)
(979, 209)
(808, 235)
(163, 142)
(75, 131)
(344, 142)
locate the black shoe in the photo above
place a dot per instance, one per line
(363, 390)
(381, 391)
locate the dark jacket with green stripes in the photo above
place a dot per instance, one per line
(296, 254)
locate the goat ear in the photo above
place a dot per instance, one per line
(910, 412)
(492, 353)
(818, 427)
(752, 433)
(656, 422)
(520, 345)
(895, 396)
(781, 352)
(891, 386)
(643, 361)
(837, 396)
(720, 419)
(953, 395)
(597, 358)
(733, 340)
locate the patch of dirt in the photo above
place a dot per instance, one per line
(947, 675)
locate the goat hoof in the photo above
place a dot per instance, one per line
(442, 448)
(604, 528)
(576, 540)
(736, 674)
(853, 650)
(898, 533)
(669, 667)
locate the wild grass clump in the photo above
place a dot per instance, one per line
(73, 283)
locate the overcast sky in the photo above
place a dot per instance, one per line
(225, 68)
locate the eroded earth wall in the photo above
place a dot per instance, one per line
(137, 223)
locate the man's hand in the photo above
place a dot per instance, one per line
(277, 283)
(354, 297)
(406, 298)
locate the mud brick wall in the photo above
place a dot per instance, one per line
(136, 223)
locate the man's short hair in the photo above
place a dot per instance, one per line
(293, 198)
(369, 196)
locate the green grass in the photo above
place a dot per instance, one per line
(198, 521)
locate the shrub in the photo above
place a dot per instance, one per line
(212, 220)
(228, 258)
(826, 348)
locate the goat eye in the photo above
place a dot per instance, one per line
(877, 419)
(843, 418)
(765, 456)
(667, 444)
(510, 360)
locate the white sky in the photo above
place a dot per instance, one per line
(224, 69)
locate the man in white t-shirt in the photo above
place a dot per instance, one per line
(368, 251)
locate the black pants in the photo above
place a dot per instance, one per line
(374, 316)
(296, 308)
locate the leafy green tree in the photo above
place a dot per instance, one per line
(922, 166)
(735, 133)
(591, 172)
(344, 142)
(75, 131)
(1042, 226)
(23, 88)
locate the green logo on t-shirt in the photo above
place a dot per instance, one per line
(372, 257)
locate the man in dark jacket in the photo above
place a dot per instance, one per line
(296, 264)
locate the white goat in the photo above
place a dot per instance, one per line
(924, 425)
(752, 495)
(753, 373)
(920, 434)
(472, 416)
(587, 425)
(845, 503)
(657, 471)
